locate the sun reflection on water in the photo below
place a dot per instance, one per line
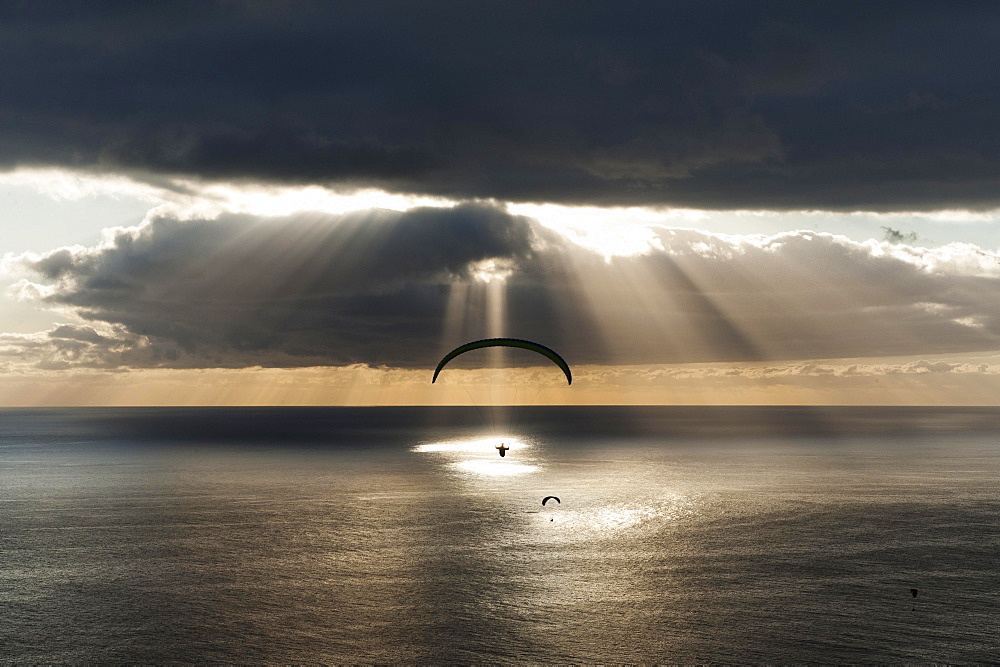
(495, 468)
(479, 445)
(617, 518)
(486, 460)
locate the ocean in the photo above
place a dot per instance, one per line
(388, 535)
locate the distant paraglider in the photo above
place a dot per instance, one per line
(547, 499)
(502, 448)
(914, 591)
(506, 342)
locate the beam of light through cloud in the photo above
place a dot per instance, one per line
(317, 288)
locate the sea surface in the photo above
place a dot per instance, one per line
(345, 535)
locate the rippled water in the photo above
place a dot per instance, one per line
(400, 535)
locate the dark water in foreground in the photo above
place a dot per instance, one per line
(398, 534)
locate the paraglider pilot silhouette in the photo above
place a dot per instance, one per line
(551, 354)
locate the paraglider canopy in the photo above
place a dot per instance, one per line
(506, 342)
(548, 498)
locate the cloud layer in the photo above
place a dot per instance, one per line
(240, 291)
(877, 106)
(397, 289)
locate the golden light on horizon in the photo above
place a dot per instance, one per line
(975, 380)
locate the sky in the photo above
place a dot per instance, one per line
(309, 203)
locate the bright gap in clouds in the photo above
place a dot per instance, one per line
(73, 206)
(611, 231)
(214, 198)
(616, 231)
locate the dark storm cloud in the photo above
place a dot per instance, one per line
(888, 105)
(398, 289)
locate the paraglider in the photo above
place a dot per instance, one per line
(547, 499)
(506, 342)
(546, 352)
(914, 591)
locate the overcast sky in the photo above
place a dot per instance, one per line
(792, 198)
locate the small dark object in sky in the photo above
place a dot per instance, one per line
(502, 448)
(914, 591)
(548, 498)
(896, 236)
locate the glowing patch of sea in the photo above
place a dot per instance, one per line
(495, 468)
(480, 445)
(617, 518)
